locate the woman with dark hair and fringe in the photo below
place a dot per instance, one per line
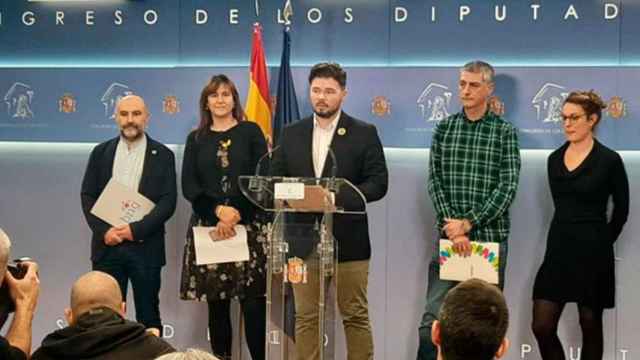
(223, 147)
(578, 265)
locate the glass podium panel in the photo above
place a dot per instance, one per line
(301, 261)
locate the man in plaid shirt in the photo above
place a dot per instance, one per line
(473, 176)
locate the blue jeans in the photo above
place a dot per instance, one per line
(437, 289)
(145, 281)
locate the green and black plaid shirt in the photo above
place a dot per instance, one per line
(473, 173)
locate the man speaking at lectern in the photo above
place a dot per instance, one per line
(135, 251)
(359, 158)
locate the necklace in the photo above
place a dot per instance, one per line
(223, 152)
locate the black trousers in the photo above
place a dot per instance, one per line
(145, 281)
(220, 331)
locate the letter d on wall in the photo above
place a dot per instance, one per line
(401, 14)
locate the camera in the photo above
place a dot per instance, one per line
(6, 303)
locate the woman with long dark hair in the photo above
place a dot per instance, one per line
(223, 147)
(578, 264)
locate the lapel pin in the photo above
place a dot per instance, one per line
(154, 152)
(342, 131)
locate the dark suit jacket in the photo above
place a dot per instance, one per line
(360, 159)
(157, 183)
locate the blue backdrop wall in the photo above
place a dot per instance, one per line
(64, 64)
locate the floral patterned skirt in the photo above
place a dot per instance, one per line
(228, 280)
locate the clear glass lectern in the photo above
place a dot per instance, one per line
(302, 260)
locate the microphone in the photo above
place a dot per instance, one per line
(268, 153)
(256, 183)
(332, 185)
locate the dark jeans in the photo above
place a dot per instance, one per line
(145, 281)
(437, 289)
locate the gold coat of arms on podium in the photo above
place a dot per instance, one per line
(296, 271)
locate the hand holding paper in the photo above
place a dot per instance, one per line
(223, 231)
(210, 251)
(119, 205)
(228, 214)
(462, 245)
(483, 263)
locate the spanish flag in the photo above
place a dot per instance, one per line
(258, 108)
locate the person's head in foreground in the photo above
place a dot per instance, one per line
(91, 291)
(189, 354)
(473, 323)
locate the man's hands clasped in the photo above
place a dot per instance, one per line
(456, 231)
(117, 235)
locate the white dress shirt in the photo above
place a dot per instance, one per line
(322, 138)
(128, 162)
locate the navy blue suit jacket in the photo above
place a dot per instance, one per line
(360, 159)
(157, 183)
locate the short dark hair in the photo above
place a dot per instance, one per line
(329, 70)
(473, 321)
(589, 101)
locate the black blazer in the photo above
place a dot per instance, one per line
(157, 183)
(360, 159)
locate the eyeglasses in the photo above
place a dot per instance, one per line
(572, 119)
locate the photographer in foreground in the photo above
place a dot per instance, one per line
(24, 295)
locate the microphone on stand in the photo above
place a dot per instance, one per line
(256, 183)
(333, 185)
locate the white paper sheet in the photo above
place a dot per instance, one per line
(288, 190)
(119, 205)
(482, 264)
(209, 251)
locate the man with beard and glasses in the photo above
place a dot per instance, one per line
(135, 251)
(359, 158)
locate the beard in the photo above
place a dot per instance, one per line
(326, 114)
(130, 135)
